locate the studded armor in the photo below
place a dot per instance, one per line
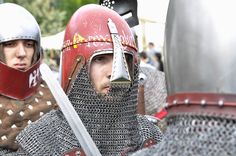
(15, 115)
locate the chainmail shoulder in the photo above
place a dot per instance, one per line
(154, 90)
(50, 135)
(4, 151)
(196, 135)
(148, 130)
(150, 151)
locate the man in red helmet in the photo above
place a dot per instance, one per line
(23, 96)
(99, 72)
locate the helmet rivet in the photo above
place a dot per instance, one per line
(78, 59)
(186, 101)
(203, 102)
(220, 103)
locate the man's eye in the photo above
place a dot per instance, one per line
(9, 44)
(99, 58)
(29, 44)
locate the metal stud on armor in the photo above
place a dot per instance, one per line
(15, 114)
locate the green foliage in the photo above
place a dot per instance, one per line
(48, 16)
(52, 15)
(71, 6)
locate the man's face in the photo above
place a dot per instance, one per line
(18, 54)
(100, 72)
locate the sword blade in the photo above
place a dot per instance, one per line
(69, 112)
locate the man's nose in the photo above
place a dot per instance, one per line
(21, 50)
(110, 68)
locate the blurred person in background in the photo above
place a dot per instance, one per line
(145, 60)
(151, 53)
(160, 65)
(152, 92)
(155, 86)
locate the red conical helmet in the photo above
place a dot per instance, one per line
(87, 33)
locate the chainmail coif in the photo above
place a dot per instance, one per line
(196, 135)
(111, 121)
(154, 90)
(107, 118)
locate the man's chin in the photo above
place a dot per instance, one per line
(102, 95)
(104, 92)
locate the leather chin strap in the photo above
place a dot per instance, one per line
(78, 64)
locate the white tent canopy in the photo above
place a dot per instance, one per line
(151, 28)
(54, 41)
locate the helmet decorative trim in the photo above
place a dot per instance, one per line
(78, 39)
(203, 103)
